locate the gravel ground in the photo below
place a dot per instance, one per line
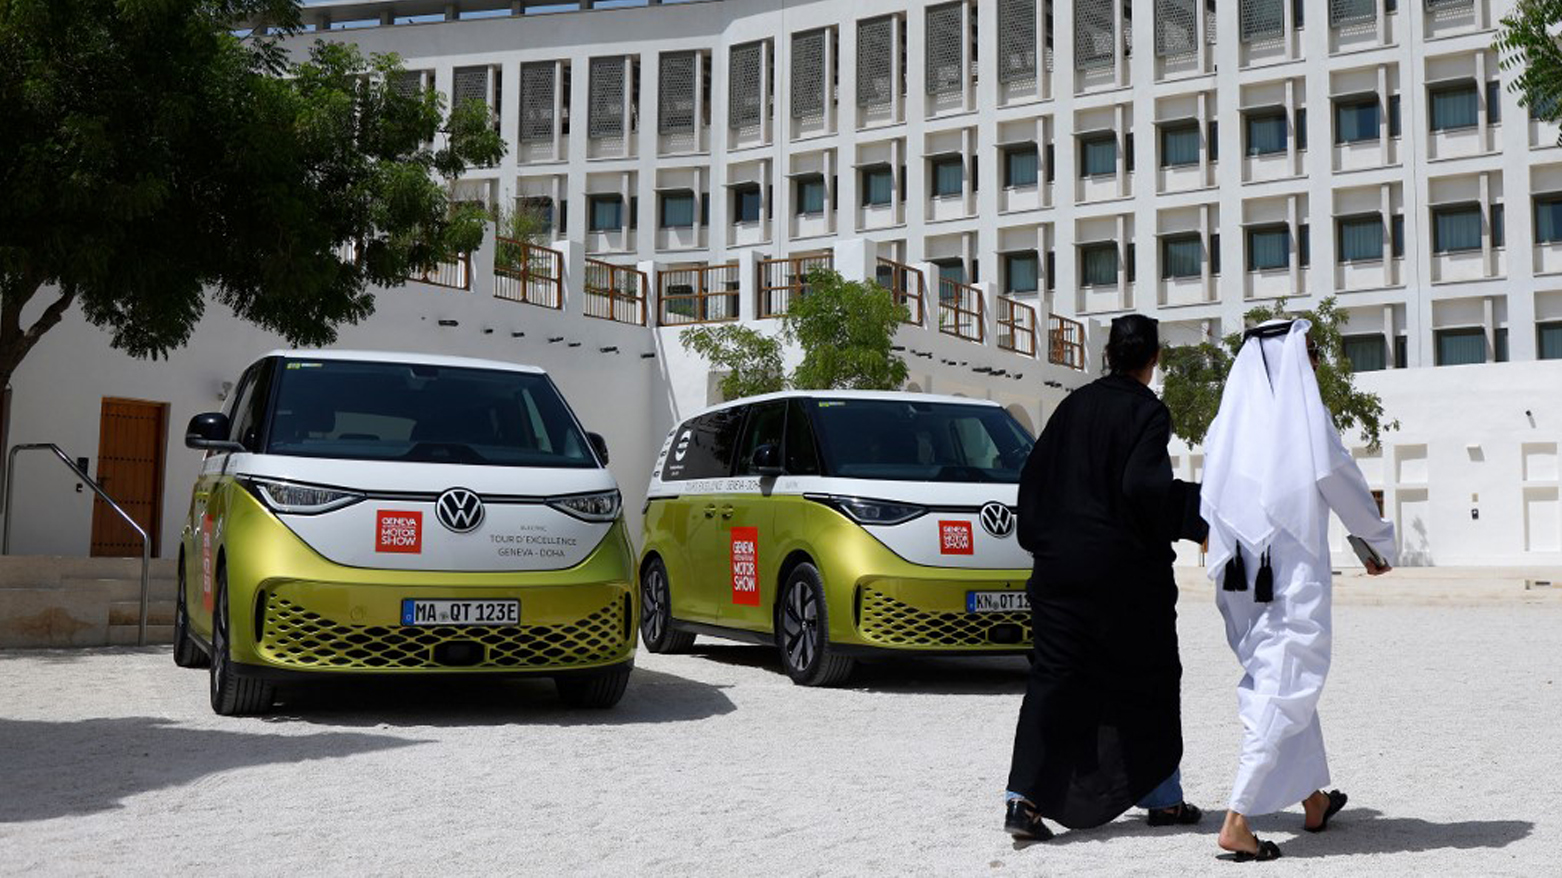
(1441, 721)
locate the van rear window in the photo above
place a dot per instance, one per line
(431, 414)
(919, 441)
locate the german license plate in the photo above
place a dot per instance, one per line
(459, 612)
(997, 602)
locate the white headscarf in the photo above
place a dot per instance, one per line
(1272, 442)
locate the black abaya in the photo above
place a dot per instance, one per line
(1101, 723)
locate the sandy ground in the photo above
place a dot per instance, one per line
(1442, 724)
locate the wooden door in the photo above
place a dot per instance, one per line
(132, 436)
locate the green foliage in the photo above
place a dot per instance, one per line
(522, 223)
(751, 358)
(1195, 375)
(845, 329)
(150, 157)
(1531, 47)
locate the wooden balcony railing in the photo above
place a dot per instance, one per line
(615, 292)
(906, 285)
(528, 273)
(697, 294)
(1066, 342)
(1016, 326)
(960, 311)
(455, 274)
(782, 280)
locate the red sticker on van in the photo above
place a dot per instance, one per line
(399, 531)
(207, 599)
(954, 538)
(745, 566)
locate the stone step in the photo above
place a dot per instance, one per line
(36, 617)
(129, 613)
(126, 635)
(40, 571)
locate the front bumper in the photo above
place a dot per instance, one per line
(929, 615)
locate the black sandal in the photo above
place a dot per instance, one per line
(1267, 850)
(1180, 814)
(1337, 801)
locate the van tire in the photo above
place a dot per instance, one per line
(656, 612)
(803, 632)
(186, 653)
(593, 691)
(231, 694)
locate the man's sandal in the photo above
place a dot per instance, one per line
(1337, 801)
(1180, 814)
(1267, 850)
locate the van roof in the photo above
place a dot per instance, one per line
(404, 357)
(891, 395)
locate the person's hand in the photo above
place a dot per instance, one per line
(1375, 569)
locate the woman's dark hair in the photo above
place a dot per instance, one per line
(1134, 342)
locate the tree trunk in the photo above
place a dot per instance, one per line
(16, 342)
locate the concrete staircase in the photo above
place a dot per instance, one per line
(54, 601)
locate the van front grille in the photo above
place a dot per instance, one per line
(892, 622)
(298, 637)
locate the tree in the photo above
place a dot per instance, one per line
(751, 358)
(522, 224)
(1531, 44)
(846, 329)
(150, 158)
(1195, 375)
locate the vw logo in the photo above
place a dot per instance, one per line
(997, 519)
(459, 510)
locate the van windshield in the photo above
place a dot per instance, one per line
(429, 414)
(919, 441)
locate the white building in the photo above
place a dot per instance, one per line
(1004, 165)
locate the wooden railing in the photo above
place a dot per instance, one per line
(1066, 342)
(615, 292)
(456, 274)
(906, 285)
(960, 311)
(697, 294)
(782, 280)
(1016, 326)
(528, 273)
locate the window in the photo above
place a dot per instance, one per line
(766, 424)
(1128, 152)
(1265, 132)
(1456, 228)
(1268, 248)
(1361, 238)
(1393, 115)
(1214, 141)
(951, 270)
(1301, 128)
(1179, 144)
(878, 185)
(1548, 219)
(1498, 233)
(1181, 256)
(1132, 260)
(1397, 235)
(677, 210)
(1493, 102)
(1052, 270)
(1020, 166)
(1021, 272)
(1401, 351)
(1458, 347)
(1548, 341)
(607, 212)
(746, 203)
(1298, 10)
(1098, 155)
(1356, 120)
(802, 454)
(1304, 244)
(810, 195)
(1214, 253)
(948, 176)
(1453, 107)
(1048, 169)
(705, 446)
(1366, 353)
(918, 441)
(1500, 344)
(1098, 264)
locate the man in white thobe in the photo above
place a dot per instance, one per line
(1274, 468)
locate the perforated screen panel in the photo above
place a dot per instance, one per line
(1176, 27)
(944, 50)
(1352, 11)
(407, 83)
(1016, 40)
(875, 61)
(675, 110)
(537, 92)
(808, 74)
(745, 78)
(471, 84)
(606, 97)
(1262, 19)
(1093, 43)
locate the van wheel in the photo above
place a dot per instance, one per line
(596, 691)
(803, 632)
(186, 653)
(656, 612)
(232, 695)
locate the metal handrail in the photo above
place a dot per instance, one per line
(146, 541)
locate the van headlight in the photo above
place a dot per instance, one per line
(293, 498)
(868, 511)
(602, 506)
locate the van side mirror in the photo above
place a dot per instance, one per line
(209, 432)
(599, 445)
(767, 460)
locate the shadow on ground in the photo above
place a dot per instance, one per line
(652, 697)
(68, 768)
(929, 675)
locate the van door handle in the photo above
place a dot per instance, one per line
(710, 510)
(726, 511)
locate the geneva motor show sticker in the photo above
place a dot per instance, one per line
(399, 531)
(745, 566)
(954, 538)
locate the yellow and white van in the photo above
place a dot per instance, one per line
(837, 524)
(401, 514)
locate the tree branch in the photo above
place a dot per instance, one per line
(14, 345)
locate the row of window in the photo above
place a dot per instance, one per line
(1462, 346)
